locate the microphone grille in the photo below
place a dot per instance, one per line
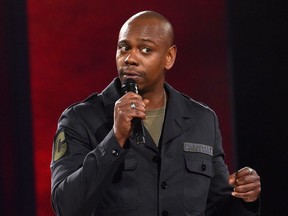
(129, 85)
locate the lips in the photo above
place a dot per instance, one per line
(130, 74)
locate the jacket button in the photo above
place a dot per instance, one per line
(203, 167)
(156, 159)
(165, 213)
(164, 185)
(115, 152)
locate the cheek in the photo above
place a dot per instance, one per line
(157, 67)
(155, 63)
(119, 61)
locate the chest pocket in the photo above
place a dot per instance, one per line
(199, 171)
(199, 166)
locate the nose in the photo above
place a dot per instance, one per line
(131, 59)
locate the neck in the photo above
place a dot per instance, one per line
(157, 101)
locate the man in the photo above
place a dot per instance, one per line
(99, 169)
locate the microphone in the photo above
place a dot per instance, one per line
(129, 85)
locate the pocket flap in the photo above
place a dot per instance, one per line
(200, 166)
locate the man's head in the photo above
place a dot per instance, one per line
(145, 50)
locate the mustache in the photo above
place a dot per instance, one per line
(130, 71)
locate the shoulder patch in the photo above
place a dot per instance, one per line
(60, 146)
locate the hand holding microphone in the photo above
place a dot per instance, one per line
(128, 114)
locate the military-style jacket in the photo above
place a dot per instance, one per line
(185, 176)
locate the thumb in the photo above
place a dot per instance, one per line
(146, 101)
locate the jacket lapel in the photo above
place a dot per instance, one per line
(176, 115)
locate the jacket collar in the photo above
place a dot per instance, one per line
(110, 95)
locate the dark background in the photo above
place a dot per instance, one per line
(232, 55)
(259, 58)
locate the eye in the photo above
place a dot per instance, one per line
(146, 50)
(123, 47)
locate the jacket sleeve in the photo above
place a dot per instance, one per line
(220, 202)
(81, 172)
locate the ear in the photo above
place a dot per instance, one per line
(170, 57)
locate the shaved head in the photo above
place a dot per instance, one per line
(165, 26)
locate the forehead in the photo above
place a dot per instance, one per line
(144, 29)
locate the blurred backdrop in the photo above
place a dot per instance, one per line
(231, 56)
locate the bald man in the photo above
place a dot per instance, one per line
(99, 168)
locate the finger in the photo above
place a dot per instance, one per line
(254, 186)
(131, 96)
(138, 105)
(146, 102)
(130, 106)
(135, 99)
(136, 111)
(254, 178)
(248, 192)
(247, 197)
(244, 172)
(232, 179)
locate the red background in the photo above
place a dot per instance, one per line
(72, 47)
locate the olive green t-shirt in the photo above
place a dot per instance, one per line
(154, 122)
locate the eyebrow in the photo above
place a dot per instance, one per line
(148, 40)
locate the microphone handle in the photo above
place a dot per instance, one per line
(138, 130)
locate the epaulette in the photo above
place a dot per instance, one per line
(197, 102)
(89, 98)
